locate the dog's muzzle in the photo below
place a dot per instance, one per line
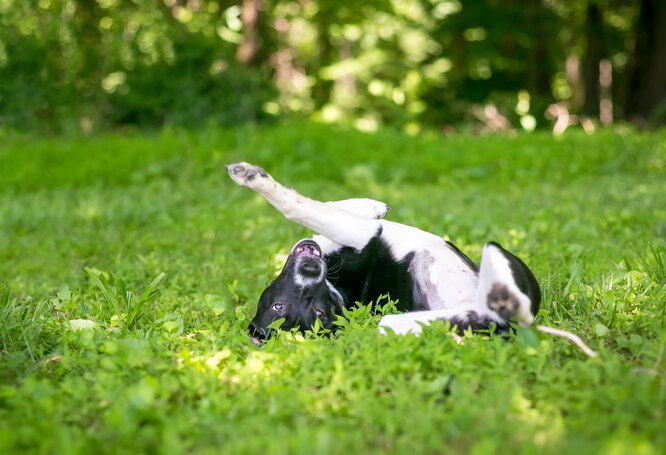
(310, 268)
(258, 334)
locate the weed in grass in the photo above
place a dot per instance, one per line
(124, 310)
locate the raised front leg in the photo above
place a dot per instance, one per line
(339, 225)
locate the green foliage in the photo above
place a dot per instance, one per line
(87, 365)
(70, 65)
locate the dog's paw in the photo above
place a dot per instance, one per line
(377, 209)
(245, 174)
(503, 302)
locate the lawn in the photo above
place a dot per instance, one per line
(92, 361)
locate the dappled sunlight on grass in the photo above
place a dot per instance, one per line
(80, 373)
(544, 424)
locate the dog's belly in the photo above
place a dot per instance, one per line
(441, 276)
(443, 279)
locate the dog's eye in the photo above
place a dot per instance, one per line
(320, 314)
(277, 307)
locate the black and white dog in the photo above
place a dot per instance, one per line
(359, 257)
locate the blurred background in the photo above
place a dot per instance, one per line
(446, 65)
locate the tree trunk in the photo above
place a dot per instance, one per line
(646, 84)
(539, 69)
(89, 38)
(593, 54)
(321, 92)
(248, 51)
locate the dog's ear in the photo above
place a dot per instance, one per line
(337, 305)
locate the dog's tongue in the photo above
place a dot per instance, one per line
(307, 249)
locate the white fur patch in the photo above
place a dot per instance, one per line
(413, 322)
(367, 208)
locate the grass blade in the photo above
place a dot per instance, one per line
(102, 288)
(150, 294)
(151, 286)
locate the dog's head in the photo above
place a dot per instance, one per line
(300, 294)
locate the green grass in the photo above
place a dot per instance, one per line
(101, 353)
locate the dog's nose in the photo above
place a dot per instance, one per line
(310, 267)
(254, 329)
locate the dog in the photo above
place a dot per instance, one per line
(358, 256)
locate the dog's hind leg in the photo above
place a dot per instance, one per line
(341, 226)
(507, 286)
(367, 208)
(507, 291)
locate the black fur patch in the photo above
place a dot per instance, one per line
(363, 276)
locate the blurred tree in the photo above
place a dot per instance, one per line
(594, 41)
(248, 50)
(321, 91)
(70, 64)
(85, 64)
(646, 84)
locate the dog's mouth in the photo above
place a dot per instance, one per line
(307, 249)
(257, 341)
(258, 335)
